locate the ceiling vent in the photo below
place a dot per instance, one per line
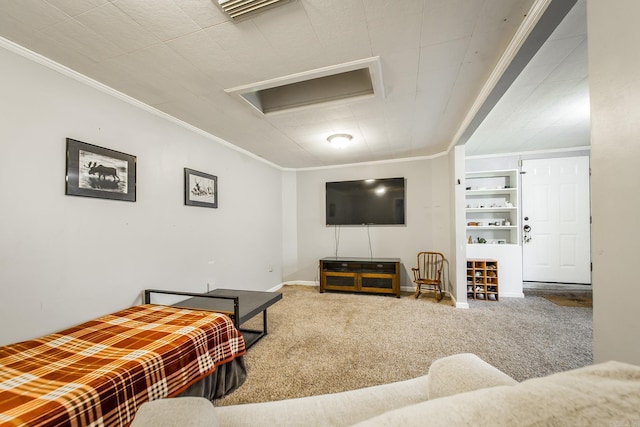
(239, 9)
(338, 83)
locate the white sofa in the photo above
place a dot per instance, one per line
(458, 390)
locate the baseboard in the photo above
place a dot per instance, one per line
(402, 289)
(511, 295)
(457, 304)
(295, 282)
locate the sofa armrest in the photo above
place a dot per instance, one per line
(336, 409)
(461, 373)
(178, 411)
(606, 394)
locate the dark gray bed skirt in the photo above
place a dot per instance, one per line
(225, 379)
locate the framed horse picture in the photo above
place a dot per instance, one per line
(200, 189)
(94, 171)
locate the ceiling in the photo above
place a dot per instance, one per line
(434, 58)
(547, 106)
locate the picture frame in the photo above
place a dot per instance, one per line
(99, 172)
(200, 189)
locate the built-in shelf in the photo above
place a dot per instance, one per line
(491, 199)
(485, 191)
(497, 209)
(489, 174)
(493, 227)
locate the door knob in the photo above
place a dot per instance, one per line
(527, 229)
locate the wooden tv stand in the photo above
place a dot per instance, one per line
(371, 275)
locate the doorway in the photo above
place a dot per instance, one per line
(556, 220)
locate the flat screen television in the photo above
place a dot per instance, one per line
(366, 202)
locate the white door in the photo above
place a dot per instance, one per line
(556, 208)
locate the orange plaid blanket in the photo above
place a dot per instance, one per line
(99, 373)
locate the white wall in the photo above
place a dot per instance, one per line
(66, 259)
(427, 216)
(510, 161)
(289, 226)
(614, 84)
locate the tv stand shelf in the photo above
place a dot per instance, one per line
(371, 275)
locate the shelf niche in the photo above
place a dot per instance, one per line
(491, 200)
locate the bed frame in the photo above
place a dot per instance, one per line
(235, 314)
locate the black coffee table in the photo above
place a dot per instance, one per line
(239, 305)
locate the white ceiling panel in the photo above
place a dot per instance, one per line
(574, 66)
(400, 72)
(162, 67)
(446, 20)
(179, 56)
(164, 18)
(336, 21)
(497, 13)
(74, 7)
(82, 40)
(450, 54)
(34, 15)
(250, 50)
(111, 23)
(290, 29)
(558, 51)
(20, 33)
(393, 25)
(548, 105)
(203, 13)
(422, 125)
(204, 53)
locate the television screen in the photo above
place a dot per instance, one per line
(366, 202)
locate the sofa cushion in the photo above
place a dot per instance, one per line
(461, 373)
(337, 409)
(603, 394)
(179, 411)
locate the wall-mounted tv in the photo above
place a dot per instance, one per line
(366, 202)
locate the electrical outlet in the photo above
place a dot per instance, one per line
(270, 268)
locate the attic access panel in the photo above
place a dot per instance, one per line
(338, 83)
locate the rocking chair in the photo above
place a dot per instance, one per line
(428, 274)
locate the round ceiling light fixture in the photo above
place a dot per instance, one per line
(339, 140)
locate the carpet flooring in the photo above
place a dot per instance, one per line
(331, 342)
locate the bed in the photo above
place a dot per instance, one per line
(100, 372)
